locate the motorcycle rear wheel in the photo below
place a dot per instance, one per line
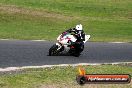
(77, 51)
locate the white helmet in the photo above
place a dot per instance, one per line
(79, 27)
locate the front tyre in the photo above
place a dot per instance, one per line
(53, 50)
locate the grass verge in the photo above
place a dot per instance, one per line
(104, 20)
(59, 77)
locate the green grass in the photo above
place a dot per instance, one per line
(104, 20)
(60, 77)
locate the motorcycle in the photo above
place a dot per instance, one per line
(66, 44)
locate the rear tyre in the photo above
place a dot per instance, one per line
(77, 54)
(53, 50)
(78, 50)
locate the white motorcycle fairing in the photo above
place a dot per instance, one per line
(63, 41)
(64, 46)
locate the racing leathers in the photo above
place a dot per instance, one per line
(80, 35)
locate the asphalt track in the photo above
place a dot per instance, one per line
(16, 53)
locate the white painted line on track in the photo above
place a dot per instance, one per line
(46, 40)
(60, 65)
(22, 40)
(38, 40)
(118, 42)
(4, 39)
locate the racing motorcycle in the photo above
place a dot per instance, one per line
(66, 45)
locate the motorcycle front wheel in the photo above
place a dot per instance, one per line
(53, 50)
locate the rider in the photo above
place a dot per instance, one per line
(79, 34)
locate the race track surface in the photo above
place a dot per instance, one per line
(15, 53)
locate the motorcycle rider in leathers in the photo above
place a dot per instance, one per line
(79, 34)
